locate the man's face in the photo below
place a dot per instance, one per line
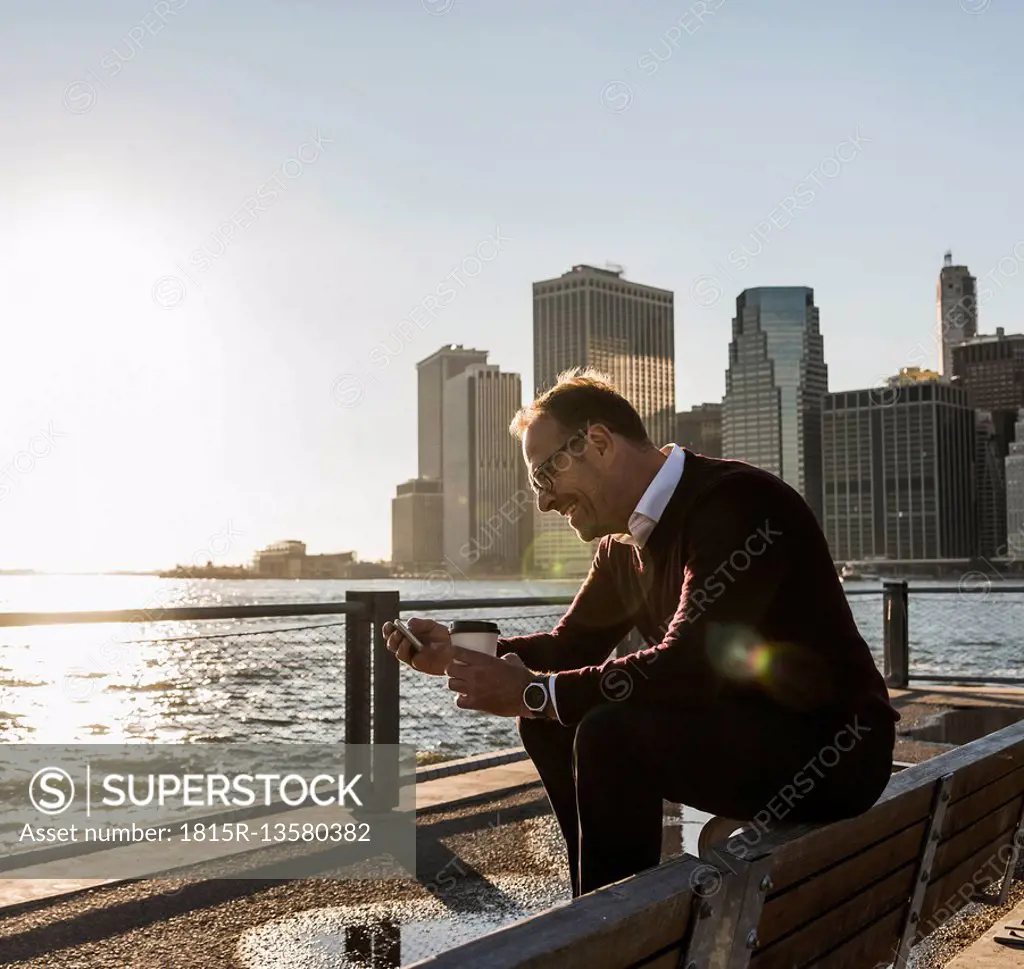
(570, 474)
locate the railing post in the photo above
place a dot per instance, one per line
(896, 634)
(357, 672)
(385, 672)
(377, 676)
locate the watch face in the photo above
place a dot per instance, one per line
(535, 697)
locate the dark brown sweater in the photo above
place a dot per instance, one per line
(737, 596)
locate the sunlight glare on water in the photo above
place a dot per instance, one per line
(283, 679)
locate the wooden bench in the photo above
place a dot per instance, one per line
(856, 894)
(859, 893)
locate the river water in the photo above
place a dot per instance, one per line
(282, 679)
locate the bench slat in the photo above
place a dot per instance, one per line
(785, 912)
(805, 850)
(965, 843)
(859, 913)
(978, 870)
(977, 763)
(986, 760)
(982, 802)
(667, 960)
(615, 927)
(873, 946)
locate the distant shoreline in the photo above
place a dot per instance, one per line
(167, 574)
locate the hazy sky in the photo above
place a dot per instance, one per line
(214, 212)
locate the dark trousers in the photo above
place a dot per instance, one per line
(606, 777)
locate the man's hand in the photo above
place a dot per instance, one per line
(489, 684)
(437, 652)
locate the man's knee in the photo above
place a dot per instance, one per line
(529, 728)
(603, 728)
(539, 734)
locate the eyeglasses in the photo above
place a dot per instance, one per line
(543, 477)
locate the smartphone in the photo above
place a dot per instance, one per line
(408, 634)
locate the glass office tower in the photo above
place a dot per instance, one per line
(777, 378)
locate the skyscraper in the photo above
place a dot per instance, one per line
(956, 308)
(432, 373)
(417, 508)
(487, 499)
(700, 429)
(898, 472)
(777, 377)
(590, 317)
(416, 525)
(1015, 493)
(989, 487)
(990, 367)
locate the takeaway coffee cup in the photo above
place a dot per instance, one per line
(476, 634)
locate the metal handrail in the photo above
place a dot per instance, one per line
(993, 586)
(967, 680)
(285, 609)
(436, 605)
(263, 611)
(180, 613)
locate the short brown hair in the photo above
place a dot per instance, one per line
(583, 396)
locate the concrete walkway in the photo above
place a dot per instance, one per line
(442, 792)
(474, 784)
(968, 695)
(14, 891)
(986, 953)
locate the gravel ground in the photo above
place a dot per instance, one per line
(968, 925)
(180, 925)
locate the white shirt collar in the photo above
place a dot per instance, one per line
(654, 500)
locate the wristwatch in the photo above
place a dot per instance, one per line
(535, 696)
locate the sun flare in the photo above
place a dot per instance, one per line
(83, 264)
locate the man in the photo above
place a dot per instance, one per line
(755, 687)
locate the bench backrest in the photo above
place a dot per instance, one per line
(855, 894)
(859, 893)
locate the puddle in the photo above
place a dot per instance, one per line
(964, 725)
(388, 935)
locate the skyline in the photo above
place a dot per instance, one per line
(366, 155)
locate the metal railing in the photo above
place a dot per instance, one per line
(308, 685)
(981, 628)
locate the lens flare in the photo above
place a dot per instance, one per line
(740, 654)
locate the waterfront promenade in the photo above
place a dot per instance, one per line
(488, 853)
(488, 850)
